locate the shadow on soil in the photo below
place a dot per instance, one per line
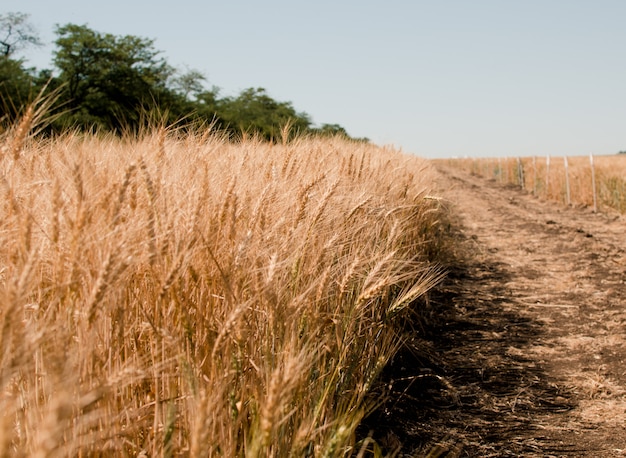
(462, 385)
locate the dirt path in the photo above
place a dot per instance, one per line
(529, 357)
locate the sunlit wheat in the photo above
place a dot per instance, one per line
(177, 294)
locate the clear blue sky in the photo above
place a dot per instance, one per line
(435, 78)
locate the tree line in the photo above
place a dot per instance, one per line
(104, 82)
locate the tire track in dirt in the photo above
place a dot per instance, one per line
(527, 355)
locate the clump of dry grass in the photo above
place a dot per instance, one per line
(181, 295)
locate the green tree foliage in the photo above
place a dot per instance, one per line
(117, 83)
(189, 84)
(332, 129)
(110, 81)
(16, 82)
(16, 33)
(255, 112)
(15, 87)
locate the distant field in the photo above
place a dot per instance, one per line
(547, 177)
(180, 294)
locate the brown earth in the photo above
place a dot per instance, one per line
(527, 353)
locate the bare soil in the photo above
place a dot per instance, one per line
(525, 350)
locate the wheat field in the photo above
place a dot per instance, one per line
(595, 181)
(178, 294)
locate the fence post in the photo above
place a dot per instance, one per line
(520, 172)
(534, 175)
(505, 176)
(593, 184)
(548, 177)
(567, 191)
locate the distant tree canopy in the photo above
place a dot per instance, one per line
(16, 33)
(256, 112)
(108, 80)
(15, 87)
(16, 84)
(118, 83)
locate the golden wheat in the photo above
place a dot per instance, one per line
(178, 294)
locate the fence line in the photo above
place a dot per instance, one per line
(600, 182)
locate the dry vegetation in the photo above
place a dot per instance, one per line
(177, 294)
(547, 178)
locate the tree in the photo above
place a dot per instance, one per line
(115, 83)
(110, 80)
(189, 83)
(335, 130)
(16, 87)
(255, 112)
(331, 130)
(16, 33)
(16, 82)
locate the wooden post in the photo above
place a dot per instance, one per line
(534, 175)
(520, 172)
(593, 184)
(567, 191)
(548, 177)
